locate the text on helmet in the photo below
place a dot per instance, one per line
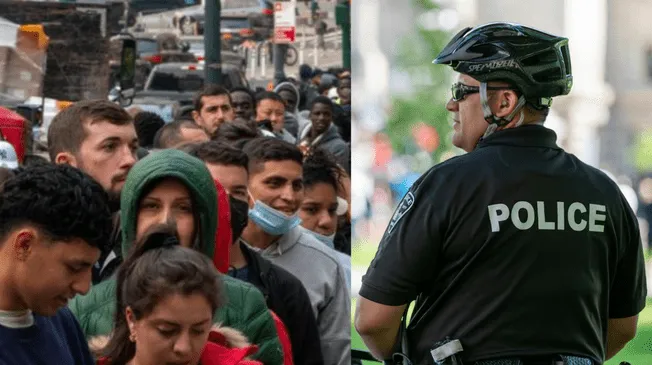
(492, 65)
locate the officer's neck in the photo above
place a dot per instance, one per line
(528, 119)
(510, 125)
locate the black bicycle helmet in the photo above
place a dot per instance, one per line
(536, 63)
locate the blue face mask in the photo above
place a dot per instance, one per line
(271, 220)
(327, 240)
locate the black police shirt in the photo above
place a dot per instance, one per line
(517, 248)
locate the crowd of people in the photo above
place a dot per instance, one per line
(222, 237)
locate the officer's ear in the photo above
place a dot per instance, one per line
(506, 102)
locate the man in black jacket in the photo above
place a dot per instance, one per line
(284, 293)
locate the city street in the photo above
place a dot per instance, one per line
(331, 57)
(263, 72)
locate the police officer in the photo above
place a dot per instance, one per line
(516, 251)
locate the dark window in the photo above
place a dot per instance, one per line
(235, 23)
(177, 81)
(150, 6)
(186, 81)
(146, 46)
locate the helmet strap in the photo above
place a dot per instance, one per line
(494, 121)
(491, 128)
(520, 119)
(484, 100)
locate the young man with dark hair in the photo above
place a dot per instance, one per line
(290, 94)
(99, 138)
(285, 294)
(242, 100)
(54, 222)
(342, 108)
(227, 164)
(147, 124)
(327, 82)
(276, 192)
(322, 133)
(307, 91)
(270, 107)
(322, 207)
(344, 91)
(235, 132)
(213, 106)
(179, 132)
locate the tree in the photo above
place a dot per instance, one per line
(427, 102)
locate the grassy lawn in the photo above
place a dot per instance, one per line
(362, 254)
(356, 341)
(639, 350)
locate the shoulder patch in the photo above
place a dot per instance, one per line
(404, 206)
(406, 203)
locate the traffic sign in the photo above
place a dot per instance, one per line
(285, 21)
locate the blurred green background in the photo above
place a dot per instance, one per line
(425, 104)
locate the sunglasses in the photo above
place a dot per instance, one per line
(460, 91)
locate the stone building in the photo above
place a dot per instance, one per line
(77, 55)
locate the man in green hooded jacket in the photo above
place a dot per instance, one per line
(245, 308)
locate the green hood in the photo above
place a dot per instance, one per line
(192, 173)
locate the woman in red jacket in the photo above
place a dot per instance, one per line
(166, 298)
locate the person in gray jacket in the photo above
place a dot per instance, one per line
(270, 108)
(276, 193)
(322, 133)
(293, 121)
(322, 207)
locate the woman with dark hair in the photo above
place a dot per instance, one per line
(166, 297)
(171, 186)
(321, 207)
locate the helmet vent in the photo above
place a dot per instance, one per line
(542, 58)
(567, 61)
(483, 49)
(548, 75)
